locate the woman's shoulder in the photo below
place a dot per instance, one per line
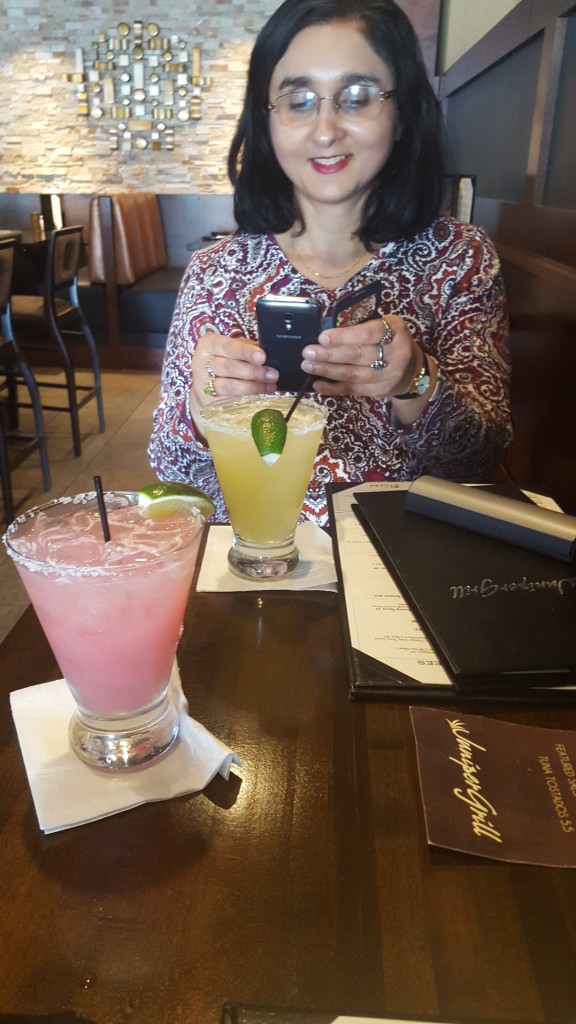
(449, 240)
(446, 232)
(234, 247)
(458, 236)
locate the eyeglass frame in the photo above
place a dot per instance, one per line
(383, 94)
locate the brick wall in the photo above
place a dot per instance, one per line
(46, 146)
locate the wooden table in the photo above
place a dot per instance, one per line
(305, 881)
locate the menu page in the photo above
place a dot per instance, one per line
(381, 624)
(238, 1014)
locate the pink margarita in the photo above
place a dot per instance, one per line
(112, 612)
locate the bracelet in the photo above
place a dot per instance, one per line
(420, 381)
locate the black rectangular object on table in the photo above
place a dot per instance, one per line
(501, 619)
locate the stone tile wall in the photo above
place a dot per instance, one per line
(46, 146)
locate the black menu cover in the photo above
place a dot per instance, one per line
(500, 618)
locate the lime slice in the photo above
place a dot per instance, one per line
(269, 433)
(158, 501)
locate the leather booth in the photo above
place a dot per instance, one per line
(128, 291)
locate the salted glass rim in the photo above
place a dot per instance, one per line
(89, 498)
(310, 401)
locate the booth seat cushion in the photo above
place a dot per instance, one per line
(145, 309)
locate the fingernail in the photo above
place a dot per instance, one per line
(308, 366)
(271, 374)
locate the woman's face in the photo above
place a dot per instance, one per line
(332, 159)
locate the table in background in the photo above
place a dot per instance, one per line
(304, 881)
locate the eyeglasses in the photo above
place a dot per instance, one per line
(358, 102)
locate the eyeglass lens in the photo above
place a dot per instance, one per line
(359, 101)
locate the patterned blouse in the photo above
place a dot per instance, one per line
(445, 283)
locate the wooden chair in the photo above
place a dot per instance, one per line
(15, 446)
(58, 313)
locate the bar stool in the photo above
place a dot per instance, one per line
(5, 479)
(16, 446)
(58, 311)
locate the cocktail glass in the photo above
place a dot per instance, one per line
(112, 613)
(263, 501)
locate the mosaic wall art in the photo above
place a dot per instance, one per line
(140, 85)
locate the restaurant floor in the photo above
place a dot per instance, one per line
(118, 456)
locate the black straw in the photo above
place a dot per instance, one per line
(305, 387)
(102, 509)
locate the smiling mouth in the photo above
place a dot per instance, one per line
(329, 161)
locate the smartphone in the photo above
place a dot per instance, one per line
(286, 324)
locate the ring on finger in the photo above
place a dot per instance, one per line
(380, 363)
(209, 388)
(388, 333)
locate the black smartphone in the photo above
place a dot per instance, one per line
(286, 323)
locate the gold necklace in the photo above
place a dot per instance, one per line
(331, 277)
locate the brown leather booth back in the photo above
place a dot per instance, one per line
(139, 247)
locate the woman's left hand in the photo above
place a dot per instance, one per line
(346, 356)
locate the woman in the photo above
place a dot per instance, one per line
(337, 165)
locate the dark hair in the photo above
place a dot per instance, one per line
(408, 192)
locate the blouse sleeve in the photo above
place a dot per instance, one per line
(466, 426)
(175, 450)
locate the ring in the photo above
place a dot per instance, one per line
(380, 363)
(209, 388)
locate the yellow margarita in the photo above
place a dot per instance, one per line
(263, 500)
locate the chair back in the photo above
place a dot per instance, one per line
(63, 258)
(6, 268)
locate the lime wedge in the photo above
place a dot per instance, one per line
(158, 501)
(269, 433)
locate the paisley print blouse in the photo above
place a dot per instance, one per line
(445, 283)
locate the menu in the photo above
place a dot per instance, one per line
(389, 656)
(500, 615)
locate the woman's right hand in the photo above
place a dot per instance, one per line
(224, 367)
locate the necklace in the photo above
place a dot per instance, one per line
(331, 277)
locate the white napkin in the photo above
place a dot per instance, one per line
(67, 792)
(316, 570)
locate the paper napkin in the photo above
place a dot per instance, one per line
(67, 792)
(316, 570)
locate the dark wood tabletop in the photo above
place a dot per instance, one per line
(305, 881)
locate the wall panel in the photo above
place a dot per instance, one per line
(560, 190)
(489, 123)
(511, 111)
